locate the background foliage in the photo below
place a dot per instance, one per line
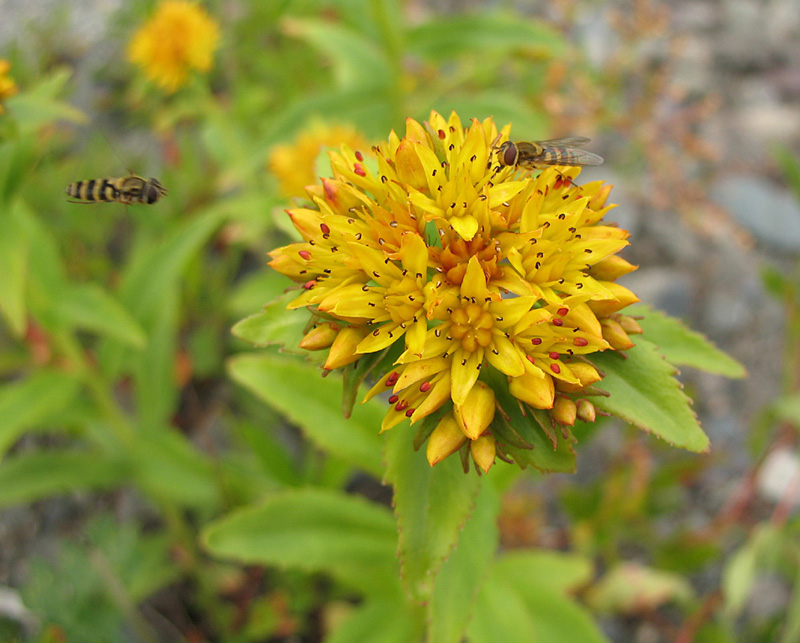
(162, 482)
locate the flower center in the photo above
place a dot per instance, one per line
(472, 325)
(456, 254)
(403, 299)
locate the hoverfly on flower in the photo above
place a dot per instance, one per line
(532, 155)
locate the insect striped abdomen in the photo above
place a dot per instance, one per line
(93, 190)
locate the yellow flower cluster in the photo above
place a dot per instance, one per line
(180, 36)
(450, 268)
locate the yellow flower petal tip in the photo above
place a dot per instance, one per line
(483, 451)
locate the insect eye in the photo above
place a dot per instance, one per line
(508, 151)
(152, 194)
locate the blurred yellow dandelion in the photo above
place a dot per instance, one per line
(294, 163)
(7, 85)
(179, 37)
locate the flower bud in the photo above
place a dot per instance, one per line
(340, 195)
(630, 325)
(343, 349)
(320, 337)
(586, 411)
(445, 440)
(581, 316)
(611, 268)
(536, 391)
(477, 412)
(622, 298)
(614, 334)
(564, 410)
(586, 373)
(483, 451)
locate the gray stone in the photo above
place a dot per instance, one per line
(769, 212)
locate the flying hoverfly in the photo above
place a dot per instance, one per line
(126, 190)
(531, 155)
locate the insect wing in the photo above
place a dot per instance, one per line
(569, 156)
(566, 141)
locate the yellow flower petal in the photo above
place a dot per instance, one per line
(477, 412)
(483, 451)
(464, 373)
(505, 356)
(539, 392)
(343, 349)
(445, 440)
(380, 338)
(466, 226)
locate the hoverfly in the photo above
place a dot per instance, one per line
(126, 190)
(531, 155)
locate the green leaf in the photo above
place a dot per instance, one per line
(256, 290)
(36, 476)
(276, 325)
(501, 615)
(450, 36)
(17, 159)
(154, 368)
(684, 347)
(168, 466)
(274, 459)
(27, 403)
(432, 505)
(90, 307)
(643, 391)
(559, 618)
(529, 586)
(298, 390)
(534, 570)
(314, 530)
(149, 281)
(38, 105)
(14, 249)
(380, 620)
(356, 62)
(740, 573)
(543, 579)
(48, 274)
(462, 575)
(157, 270)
